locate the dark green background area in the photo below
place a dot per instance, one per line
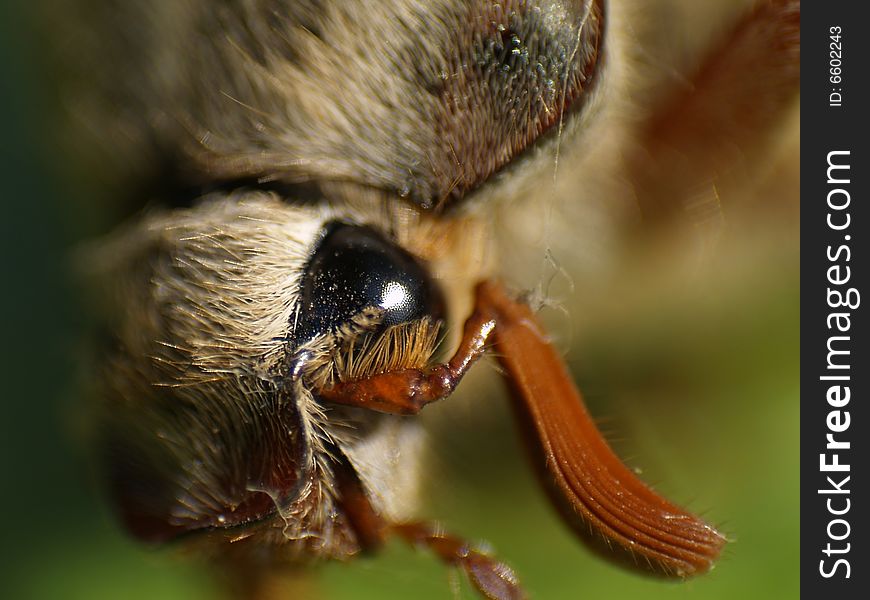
(699, 384)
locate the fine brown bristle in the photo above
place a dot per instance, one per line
(404, 346)
(357, 352)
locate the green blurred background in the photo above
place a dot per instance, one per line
(695, 378)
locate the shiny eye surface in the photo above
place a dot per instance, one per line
(355, 267)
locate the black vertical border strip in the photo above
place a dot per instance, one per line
(824, 129)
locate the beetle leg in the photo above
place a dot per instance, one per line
(596, 493)
(599, 496)
(490, 577)
(493, 579)
(407, 391)
(707, 128)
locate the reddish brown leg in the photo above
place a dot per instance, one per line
(599, 497)
(491, 578)
(406, 392)
(724, 112)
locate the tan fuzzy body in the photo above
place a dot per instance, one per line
(288, 116)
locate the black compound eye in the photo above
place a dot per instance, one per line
(354, 268)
